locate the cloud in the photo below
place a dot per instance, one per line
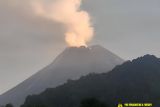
(27, 41)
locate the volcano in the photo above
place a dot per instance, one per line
(72, 63)
(135, 81)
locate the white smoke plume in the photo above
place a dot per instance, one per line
(77, 22)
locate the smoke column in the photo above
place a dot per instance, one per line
(77, 22)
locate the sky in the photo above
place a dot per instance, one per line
(128, 28)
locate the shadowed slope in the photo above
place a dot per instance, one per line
(134, 81)
(70, 64)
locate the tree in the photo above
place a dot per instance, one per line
(9, 105)
(92, 102)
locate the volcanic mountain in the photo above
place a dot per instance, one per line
(72, 63)
(134, 81)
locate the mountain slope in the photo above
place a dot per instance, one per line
(134, 81)
(70, 64)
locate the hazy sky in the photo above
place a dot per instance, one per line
(129, 28)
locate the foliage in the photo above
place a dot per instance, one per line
(92, 102)
(8, 105)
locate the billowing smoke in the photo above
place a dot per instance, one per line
(77, 22)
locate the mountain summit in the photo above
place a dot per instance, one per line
(72, 63)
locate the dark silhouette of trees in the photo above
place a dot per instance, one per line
(92, 102)
(36, 105)
(8, 105)
(133, 81)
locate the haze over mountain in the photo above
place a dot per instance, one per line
(28, 42)
(134, 81)
(70, 64)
